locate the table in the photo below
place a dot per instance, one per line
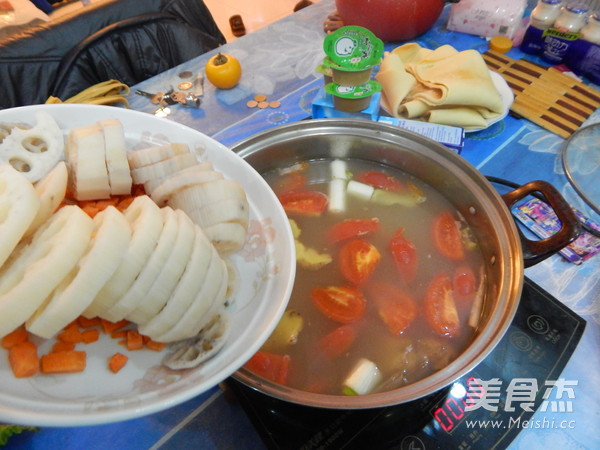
(279, 62)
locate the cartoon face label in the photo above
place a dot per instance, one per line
(345, 46)
(353, 48)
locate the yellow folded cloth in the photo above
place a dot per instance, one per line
(441, 86)
(109, 92)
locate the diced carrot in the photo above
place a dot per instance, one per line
(15, 337)
(63, 362)
(90, 209)
(109, 326)
(124, 203)
(89, 336)
(134, 340)
(117, 361)
(61, 346)
(23, 359)
(71, 333)
(154, 345)
(84, 322)
(119, 334)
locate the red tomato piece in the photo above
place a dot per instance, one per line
(405, 256)
(440, 308)
(446, 236)
(338, 341)
(308, 203)
(270, 366)
(464, 281)
(340, 303)
(351, 228)
(380, 180)
(396, 307)
(358, 260)
(295, 181)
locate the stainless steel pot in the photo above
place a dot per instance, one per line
(506, 251)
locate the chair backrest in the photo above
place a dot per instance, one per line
(130, 51)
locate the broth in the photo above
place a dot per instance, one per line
(402, 355)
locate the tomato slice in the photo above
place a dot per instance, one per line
(405, 256)
(464, 281)
(440, 308)
(294, 181)
(380, 180)
(358, 260)
(446, 236)
(396, 307)
(270, 366)
(308, 203)
(351, 228)
(338, 341)
(340, 303)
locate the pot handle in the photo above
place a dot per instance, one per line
(536, 251)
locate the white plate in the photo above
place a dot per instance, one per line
(266, 270)
(506, 95)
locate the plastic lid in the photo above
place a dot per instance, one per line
(501, 44)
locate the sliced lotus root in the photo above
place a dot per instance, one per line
(34, 151)
(19, 204)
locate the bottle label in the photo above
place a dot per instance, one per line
(532, 41)
(556, 44)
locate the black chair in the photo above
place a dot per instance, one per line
(130, 51)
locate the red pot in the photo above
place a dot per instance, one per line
(391, 20)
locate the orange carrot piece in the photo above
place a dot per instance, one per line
(15, 337)
(137, 189)
(119, 334)
(61, 346)
(84, 322)
(154, 345)
(71, 333)
(23, 359)
(117, 361)
(124, 203)
(63, 362)
(109, 326)
(134, 340)
(89, 336)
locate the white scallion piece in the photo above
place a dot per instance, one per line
(364, 377)
(361, 190)
(339, 169)
(337, 195)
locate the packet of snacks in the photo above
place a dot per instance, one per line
(487, 18)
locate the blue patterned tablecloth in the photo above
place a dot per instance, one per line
(279, 61)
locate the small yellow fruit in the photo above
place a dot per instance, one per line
(224, 71)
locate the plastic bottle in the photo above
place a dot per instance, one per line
(542, 17)
(583, 56)
(560, 36)
(591, 32)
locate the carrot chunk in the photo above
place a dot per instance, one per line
(109, 326)
(15, 337)
(61, 346)
(71, 333)
(63, 362)
(134, 340)
(117, 361)
(89, 336)
(84, 322)
(23, 359)
(154, 345)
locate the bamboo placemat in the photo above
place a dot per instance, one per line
(546, 96)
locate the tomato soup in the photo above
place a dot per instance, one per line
(388, 280)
